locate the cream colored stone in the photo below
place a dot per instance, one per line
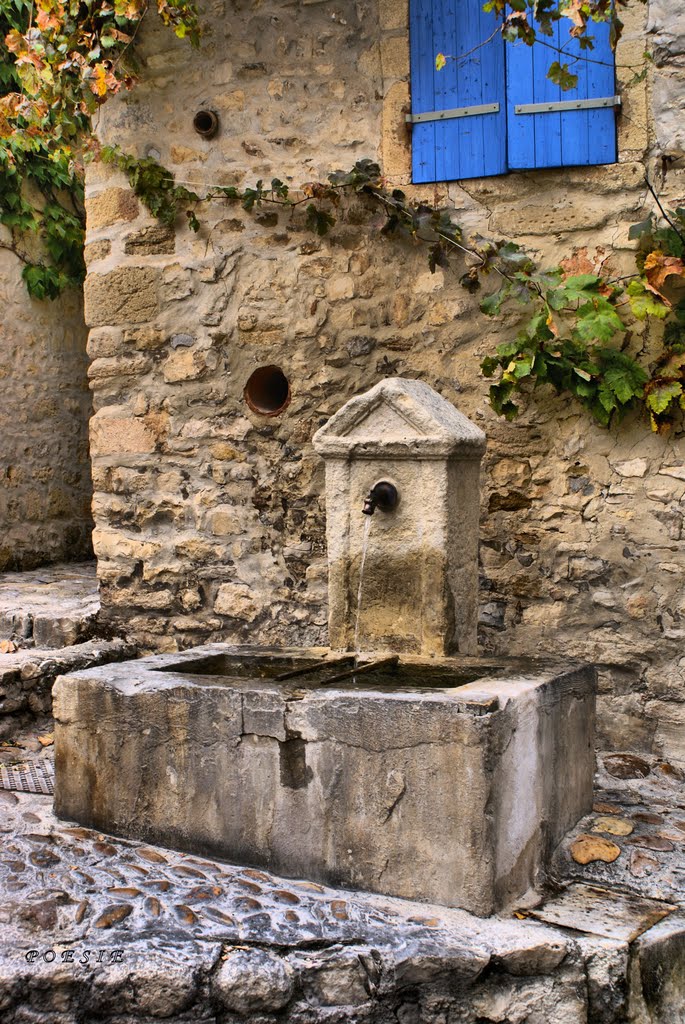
(395, 56)
(236, 601)
(103, 342)
(226, 521)
(177, 283)
(124, 295)
(395, 135)
(340, 288)
(145, 338)
(114, 545)
(95, 251)
(393, 14)
(111, 435)
(184, 155)
(633, 467)
(111, 206)
(184, 364)
(230, 101)
(222, 451)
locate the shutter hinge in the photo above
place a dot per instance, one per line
(565, 105)
(445, 115)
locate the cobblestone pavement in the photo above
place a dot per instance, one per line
(50, 607)
(97, 928)
(639, 821)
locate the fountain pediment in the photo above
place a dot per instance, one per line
(400, 417)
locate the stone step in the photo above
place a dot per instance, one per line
(52, 607)
(27, 676)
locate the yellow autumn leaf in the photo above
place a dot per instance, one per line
(98, 83)
(552, 325)
(440, 61)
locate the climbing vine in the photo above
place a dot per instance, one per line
(41, 194)
(59, 60)
(531, 20)
(578, 332)
(63, 58)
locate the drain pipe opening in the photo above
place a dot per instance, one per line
(206, 123)
(267, 391)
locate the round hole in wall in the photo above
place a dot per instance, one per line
(206, 123)
(267, 391)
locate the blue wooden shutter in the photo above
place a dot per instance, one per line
(460, 147)
(560, 138)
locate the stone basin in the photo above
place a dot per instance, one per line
(445, 780)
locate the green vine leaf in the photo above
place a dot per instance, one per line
(597, 321)
(561, 76)
(644, 303)
(663, 394)
(318, 220)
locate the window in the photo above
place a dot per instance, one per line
(481, 114)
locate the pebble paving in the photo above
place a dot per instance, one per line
(639, 812)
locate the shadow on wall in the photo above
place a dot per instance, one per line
(45, 478)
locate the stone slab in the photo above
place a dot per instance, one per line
(606, 912)
(53, 607)
(27, 676)
(476, 783)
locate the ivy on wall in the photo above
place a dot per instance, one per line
(577, 334)
(68, 56)
(59, 60)
(41, 192)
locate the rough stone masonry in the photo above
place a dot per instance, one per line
(209, 517)
(45, 484)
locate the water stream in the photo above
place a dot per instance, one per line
(365, 545)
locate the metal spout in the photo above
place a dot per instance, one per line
(382, 495)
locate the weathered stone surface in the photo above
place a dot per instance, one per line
(660, 956)
(236, 601)
(95, 251)
(254, 981)
(156, 239)
(112, 434)
(336, 782)
(125, 295)
(112, 205)
(605, 912)
(54, 607)
(380, 570)
(45, 481)
(27, 677)
(313, 954)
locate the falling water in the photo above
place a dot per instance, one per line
(365, 544)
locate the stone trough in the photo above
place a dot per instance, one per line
(449, 782)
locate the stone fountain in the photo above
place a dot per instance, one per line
(416, 769)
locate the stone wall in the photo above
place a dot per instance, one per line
(210, 521)
(45, 481)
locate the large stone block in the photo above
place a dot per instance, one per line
(124, 295)
(455, 794)
(111, 435)
(111, 206)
